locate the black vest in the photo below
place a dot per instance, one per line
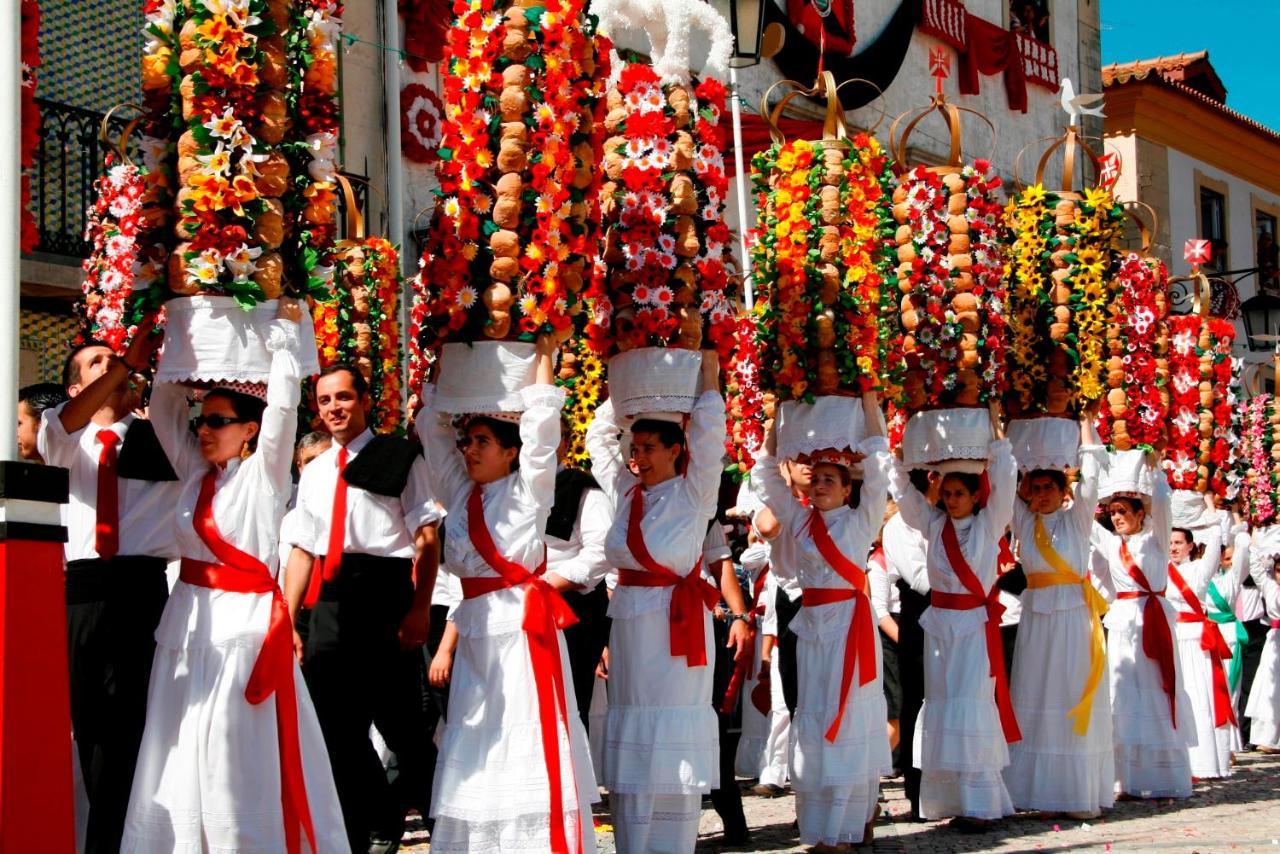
(570, 485)
(383, 466)
(141, 455)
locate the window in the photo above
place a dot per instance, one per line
(1268, 253)
(1031, 17)
(1213, 227)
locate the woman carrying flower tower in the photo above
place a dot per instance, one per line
(967, 720)
(1150, 711)
(1065, 761)
(661, 747)
(514, 771)
(840, 747)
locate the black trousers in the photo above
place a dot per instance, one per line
(358, 676)
(113, 608)
(1249, 663)
(786, 660)
(586, 640)
(911, 677)
(727, 800)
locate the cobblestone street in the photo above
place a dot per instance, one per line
(1241, 813)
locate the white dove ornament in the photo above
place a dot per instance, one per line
(1079, 105)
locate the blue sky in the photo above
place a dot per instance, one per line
(1240, 35)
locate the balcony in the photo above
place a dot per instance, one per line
(69, 159)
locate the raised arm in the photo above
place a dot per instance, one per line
(706, 436)
(1161, 520)
(771, 489)
(1002, 474)
(539, 438)
(284, 392)
(604, 446)
(915, 509)
(170, 416)
(448, 476)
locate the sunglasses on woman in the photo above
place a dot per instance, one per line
(214, 422)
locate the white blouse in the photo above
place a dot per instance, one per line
(248, 505)
(580, 559)
(852, 530)
(1149, 549)
(979, 536)
(1069, 528)
(515, 507)
(676, 511)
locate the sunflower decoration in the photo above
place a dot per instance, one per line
(582, 375)
(1061, 283)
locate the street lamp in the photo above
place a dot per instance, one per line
(1262, 321)
(746, 18)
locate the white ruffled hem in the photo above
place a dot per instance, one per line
(527, 832)
(836, 816)
(665, 750)
(979, 794)
(1061, 782)
(1147, 772)
(961, 735)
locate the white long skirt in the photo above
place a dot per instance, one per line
(208, 772)
(661, 747)
(836, 784)
(491, 790)
(1211, 755)
(777, 749)
(1052, 768)
(1264, 698)
(959, 744)
(750, 760)
(1151, 754)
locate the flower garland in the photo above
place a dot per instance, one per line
(1200, 378)
(823, 258)
(950, 272)
(1227, 477)
(744, 402)
(311, 144)
(582, 376)
(511, 241)
(361, 326)
(109, 306)
(30, 121)
(1061, 287)
(1137, 400)
(1260, 457)
(663, 201)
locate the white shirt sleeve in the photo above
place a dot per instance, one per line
(280, 418)
(170, 416)
(539, 438)
(706, 450)
(604, 445)
(773, 492)
(57, 447)
(715, 547)
(419, 505)
(447, 474)
(595, 518)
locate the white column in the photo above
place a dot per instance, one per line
(391, 60)
(11, 201)
(743, 187)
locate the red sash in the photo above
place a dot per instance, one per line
(690, 594)
(238, 572)
(1212, 642)
(978, 598)
(742, 670)
(545, 612)
(1157, 637)
(860, 642)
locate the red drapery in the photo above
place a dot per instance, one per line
(990, 50)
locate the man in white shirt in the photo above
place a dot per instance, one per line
(120, 527)
(365, 506)
(576, 529)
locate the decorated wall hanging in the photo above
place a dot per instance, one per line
(1061, 285)
(746, 405)
(950, 268)
(1134, 413)
(825, 273)
(1201, 396)
(361, 325)
(512, 238)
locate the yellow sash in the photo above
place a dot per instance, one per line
(1063, 575)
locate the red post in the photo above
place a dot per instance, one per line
(36, 812)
